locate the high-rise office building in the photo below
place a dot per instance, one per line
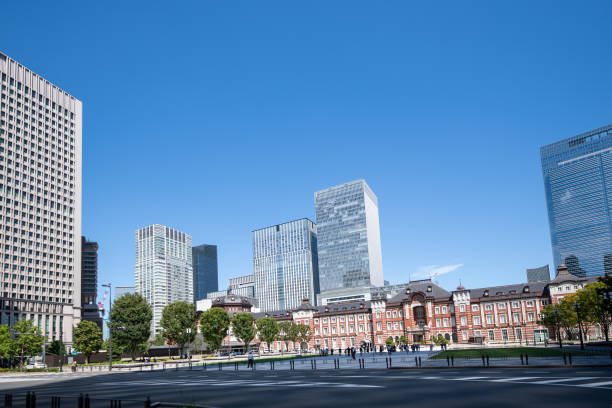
(242, 285)
(285, 264)
(205, 271)
(119, 291)
(578, 186)
(541, 274)
(164, 270)
(89, 282)
(348, 237)
(40, 199)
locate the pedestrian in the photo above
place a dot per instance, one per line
(431, 347)
(250, 360)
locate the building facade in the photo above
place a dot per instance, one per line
(541, 274)
(242, 285)
(205, 270)
(285, 264)
(89, 282)
(164, 269)
(578, 186)
(348, 237)
(40, 202)
(123, 290)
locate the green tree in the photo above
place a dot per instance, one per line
(87, 338)
(54, 348)
(569, 317)
(198, 343)
(130, 322)
(303, 336)
(402, 339)
(178, 323)
(214, 324)
(5, 341)
(117, 350)
(28, 340)
(243, 328)
(268, 330)
(551, 319)
(158, 340)
(389, 342)
(596, 310)
(287, 332)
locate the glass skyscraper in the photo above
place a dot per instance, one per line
(578, 185)
(205, 271)
(285, 265)
(348, 236)
(164, 271)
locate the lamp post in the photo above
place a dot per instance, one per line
(558, 324)
(577, 308)
(189, 343)
(110, 328)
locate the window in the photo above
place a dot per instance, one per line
(443, 309)
(488, 306)
(516, 317)
(394, 313)
(489, 319)
(491, 335)
(325, 331)
(463, 321)
(445, 322)
(504, 334)
(476, 320)
(388, 314)
(378, 326)
(334, 329)
(462, 308)
(501, 305)
(530, 303)
(502, 318)
(464, 334)
(515, 305)
(518, 333)
(437, 310)
(437, 322)
(474, 308)
(544, 302)
(361, 327)
(388, 326)
(530, 316)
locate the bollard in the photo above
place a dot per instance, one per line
(147, 403)
(271, 366)
(176, 367)
(55, 402)
(80, 401)
(570, 358)
(522, 359)
(564, 359)
(453, 360)
(190, 365)
(526, 359)
(164, 367)
(8, 400)
(483, 360)
(448, 361)
(387, 362)
(315, 364)
(487, 361)
(204, 366)
(254, 364)
(86, 401)
(219, 366)
(420, 363)
(416, 362)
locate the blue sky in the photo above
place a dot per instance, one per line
(218, 118)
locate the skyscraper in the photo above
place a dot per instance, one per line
(205, 272)
(348, 236)
(40, 199)
(164, 271)
(285, 264)
(89, 282)
(578, 186)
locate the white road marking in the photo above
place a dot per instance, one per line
(514, 379)
(467, 378)
(594, 385)
(558, 380)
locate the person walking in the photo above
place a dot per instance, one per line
(250, 360)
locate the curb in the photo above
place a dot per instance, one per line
(500, 366)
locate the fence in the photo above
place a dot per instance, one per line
(31, 400)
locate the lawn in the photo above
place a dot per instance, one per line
(508, 352)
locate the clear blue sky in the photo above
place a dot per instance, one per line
(218, 118)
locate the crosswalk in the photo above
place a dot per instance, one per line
(584, 382)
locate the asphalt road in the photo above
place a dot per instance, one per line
(566, 387)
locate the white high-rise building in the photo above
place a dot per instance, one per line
(285, 265)
(164, 271)
(348, 233)
(40, 202)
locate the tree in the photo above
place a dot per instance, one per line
(5, 341)
(213, 325)
(285, 329)
(268, 330)
(158, 340)
(594, 305)
(402, 339)
(28, 340)
(303, 336)
(198, 343)
(117, 350)
(551, 319)
(130, 322)
(87, 338)
(569, 318)
(389, 342)
(54, 348)
(178, 323)
(242, 326)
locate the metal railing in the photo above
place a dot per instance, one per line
(31, 400)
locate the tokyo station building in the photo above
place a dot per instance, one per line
(492, 315)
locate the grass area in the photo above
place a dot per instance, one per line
(509, 352)
(262, 359)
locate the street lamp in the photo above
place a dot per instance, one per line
(577, 308)
(189, 343)
(110, 328)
